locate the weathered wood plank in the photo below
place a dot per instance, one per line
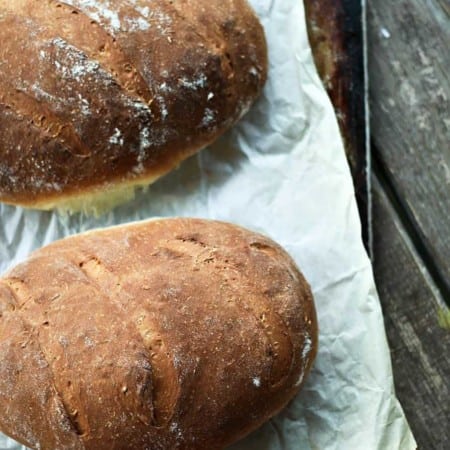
(420, 347)
(409, 61)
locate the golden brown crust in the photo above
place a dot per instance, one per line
(97, 96)
(166, 334)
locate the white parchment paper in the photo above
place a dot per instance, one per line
(281, 171)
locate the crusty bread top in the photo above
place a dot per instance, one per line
(162, 335)
(94, 93)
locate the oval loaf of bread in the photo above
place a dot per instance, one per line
(97, 95)
(161, 335)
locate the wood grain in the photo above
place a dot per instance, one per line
(420, 348)
(409, 62)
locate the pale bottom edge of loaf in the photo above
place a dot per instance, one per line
(98, 201)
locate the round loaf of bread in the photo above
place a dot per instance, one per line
(98, 95)
(161, 335)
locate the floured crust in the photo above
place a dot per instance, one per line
(160, 335)
(92, 95)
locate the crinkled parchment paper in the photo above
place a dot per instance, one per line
(281, 171)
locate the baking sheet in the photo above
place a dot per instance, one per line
(281, 171)
(336, 30)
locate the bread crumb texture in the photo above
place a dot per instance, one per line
(166, 334)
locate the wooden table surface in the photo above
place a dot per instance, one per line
(409, 72)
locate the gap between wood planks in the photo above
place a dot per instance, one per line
(406, 217)
(419, 346)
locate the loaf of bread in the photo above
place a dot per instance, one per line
(161, 335)
(98, 96)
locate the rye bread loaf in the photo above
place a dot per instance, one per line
(97, 95)
(160, 335)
